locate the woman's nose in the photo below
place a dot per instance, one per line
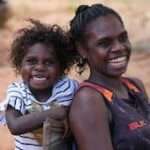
(117, 46)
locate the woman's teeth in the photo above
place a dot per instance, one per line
(118, 60)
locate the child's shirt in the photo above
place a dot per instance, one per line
(21, 99)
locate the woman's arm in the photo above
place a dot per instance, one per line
(89, 121)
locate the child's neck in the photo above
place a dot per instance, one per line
(41, 95)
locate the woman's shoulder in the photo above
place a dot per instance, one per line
(88, 101)
(85, 89)
(87, 95)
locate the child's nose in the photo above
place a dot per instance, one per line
(40, 66)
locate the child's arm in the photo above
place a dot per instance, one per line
(19, 124)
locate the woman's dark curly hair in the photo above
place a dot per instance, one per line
(84, 15)
(51, 36)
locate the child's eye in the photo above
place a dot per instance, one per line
(31, 61)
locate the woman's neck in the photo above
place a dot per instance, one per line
(106, 81)
(112, 83)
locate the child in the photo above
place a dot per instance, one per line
(116, 106)
(40, 54)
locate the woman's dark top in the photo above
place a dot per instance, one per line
(130, 123)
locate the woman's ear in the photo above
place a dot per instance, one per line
(82, 50)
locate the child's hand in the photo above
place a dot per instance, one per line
(57, 126)
(53, 133)
(59, 121)
(58, 112)
(67, 130)
(54, 125)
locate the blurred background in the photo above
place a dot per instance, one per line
(13, 16)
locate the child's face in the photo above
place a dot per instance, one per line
(40, 68)
(108, 48)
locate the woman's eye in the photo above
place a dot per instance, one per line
(104, 43)
(49, 62)
(123, 37)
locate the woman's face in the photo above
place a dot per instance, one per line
(107, 46)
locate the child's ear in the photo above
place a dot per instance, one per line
(82, 50)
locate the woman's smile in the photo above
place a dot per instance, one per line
(119, 61)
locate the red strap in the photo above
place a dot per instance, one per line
(130, 85)
(106, 93)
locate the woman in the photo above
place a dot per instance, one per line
(109, 111)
